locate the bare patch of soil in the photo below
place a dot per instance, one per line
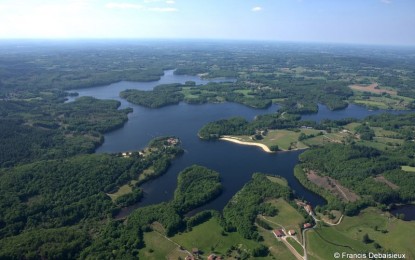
(373, 88)
(382, 179)
(333, 186)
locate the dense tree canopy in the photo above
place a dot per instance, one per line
(241, 211)
(196, 186)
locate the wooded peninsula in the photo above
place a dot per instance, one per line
(61, 200)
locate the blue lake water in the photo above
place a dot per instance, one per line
(235, 163)
(407, 210)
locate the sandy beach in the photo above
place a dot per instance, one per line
(233, 140)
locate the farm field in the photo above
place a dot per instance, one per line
(296, 246)
(382, 229)
(209, 238)
(287, 216)
(408, 168)
(285, 139)
(158, 247)
(277, 248)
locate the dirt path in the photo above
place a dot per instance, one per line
(292, 249)
(316, 220)
(287, 244)
(335, 224)
(381, 178)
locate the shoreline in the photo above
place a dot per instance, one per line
(233, 140)
(262, 146)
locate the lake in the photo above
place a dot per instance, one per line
(407, 210)
(235, 163)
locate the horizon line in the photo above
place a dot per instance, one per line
(100, 39)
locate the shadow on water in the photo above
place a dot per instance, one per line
(407, 211)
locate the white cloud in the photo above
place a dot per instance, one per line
(256, 9)
(124, 6)
(386, 1)
(170, 2)
(163, 9)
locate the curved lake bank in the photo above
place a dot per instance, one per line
(112, 91)
(235, 163)
(408, 212)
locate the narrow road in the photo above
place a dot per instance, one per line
(335, 224)
(292, 249)
(304, 244)
(316, 220)
(287, 244)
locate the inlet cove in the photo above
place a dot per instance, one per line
(286, 135)
(223, 152)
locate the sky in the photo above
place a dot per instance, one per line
(385, 22)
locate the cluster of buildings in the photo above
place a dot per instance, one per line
(196, 255)
(307, 207)
(126, 154)
(280, 233)
(173, 141)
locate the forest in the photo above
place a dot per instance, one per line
(298, 81)
(196, 186)
(241, 211)
(360, 161)
(47, 129)
(55, 192)
(363, 168)
(240, 126)
(65, 194)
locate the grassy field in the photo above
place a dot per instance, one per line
(352, 126)
(384, 102)
(316, 141)
(384, 139)
(187, 92)
(146, 173)
(408, 168)
(388, 140)
(158, 247)
(127, 188)
(287, 216)
(326, 138)
(296, 246)
(323, 242)
(372, 103)
(389, 232)
(380, 132)
(376, 145)
(124, 189)
(277, 179)
(337, 214)
(288, 140)
(243, 91)
(285, 139)
(277, 248)
(208, 238)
